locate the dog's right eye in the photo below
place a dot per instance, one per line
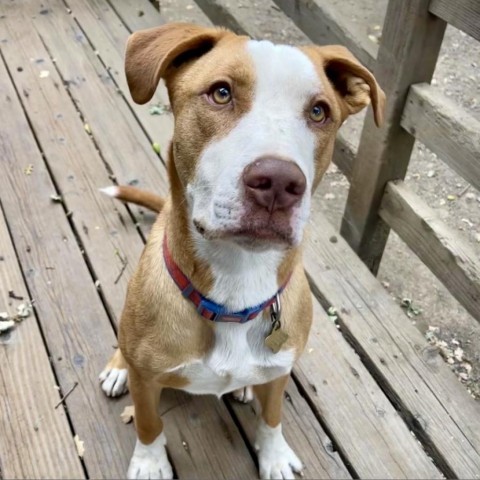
(221, 94)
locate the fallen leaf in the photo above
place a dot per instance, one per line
(156, 147)
(24, 310)
(79, 444)
(128, 414)
(56, 198)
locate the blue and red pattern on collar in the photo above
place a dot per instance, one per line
(205, 307)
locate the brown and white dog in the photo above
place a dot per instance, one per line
(255, 127)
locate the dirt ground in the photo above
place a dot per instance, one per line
(434, 311)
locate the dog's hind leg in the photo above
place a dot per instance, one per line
(243, 395)
(113, 379)
(149, 459)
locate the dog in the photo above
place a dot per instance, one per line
(220, 302)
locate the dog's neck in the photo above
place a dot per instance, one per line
(221, 270)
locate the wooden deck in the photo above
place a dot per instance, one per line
(369, 397)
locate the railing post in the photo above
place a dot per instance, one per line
(411, 41)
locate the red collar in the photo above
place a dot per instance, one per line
(205, 307)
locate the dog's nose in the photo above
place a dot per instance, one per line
(274, 183)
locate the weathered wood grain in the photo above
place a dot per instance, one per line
(427, 394)
(367, 429)
(74, 324)
(462, 14)
(32, 431)
(324, 25)
(108, 235)
(109, 35)
(96, 96)
(437, 245)
(445, 128)
(408, 52)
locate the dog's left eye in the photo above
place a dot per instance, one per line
(318, 113)
(221, 94)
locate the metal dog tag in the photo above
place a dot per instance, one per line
(277, 337)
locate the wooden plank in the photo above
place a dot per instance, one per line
(114, 128)
(462, 14)
(445, 128)
(410, 44)
(437, 245)
(30, 438)
(108, 35)
(231, 15)
(443, 416)
(106, 233)
(324, 25)
(74, 324)
(302, 431)
(367, 429)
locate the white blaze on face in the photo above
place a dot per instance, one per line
(285, 82)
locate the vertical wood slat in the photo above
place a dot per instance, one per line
(411, 41)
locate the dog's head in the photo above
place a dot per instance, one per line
(255, 124)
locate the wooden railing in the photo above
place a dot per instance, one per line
(403, 64)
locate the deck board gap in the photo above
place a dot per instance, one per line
(335, 444)
(408, 417)
(238, 423)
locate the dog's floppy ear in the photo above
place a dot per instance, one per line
(150, 53)
(354, 84)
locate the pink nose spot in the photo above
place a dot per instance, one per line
(274, 183)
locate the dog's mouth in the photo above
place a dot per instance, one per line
(251, 236)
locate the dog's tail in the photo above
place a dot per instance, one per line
(140, 197)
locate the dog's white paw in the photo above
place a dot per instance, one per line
(243, 395)
(114, 381)
(150, 461)
(275, 458)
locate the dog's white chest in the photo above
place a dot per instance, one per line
(238, 358)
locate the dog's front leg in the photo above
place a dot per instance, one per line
(275, 457)
(149, 458)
